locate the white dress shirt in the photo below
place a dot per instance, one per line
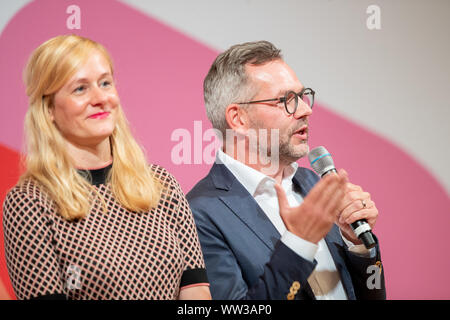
(325, 280)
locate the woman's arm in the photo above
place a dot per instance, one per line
(29, 250)
(3, 293)
(194, 283)
(195, 293)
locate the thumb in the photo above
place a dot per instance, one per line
(343, 174)
(282, 199)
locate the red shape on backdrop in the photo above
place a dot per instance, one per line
(9, 174)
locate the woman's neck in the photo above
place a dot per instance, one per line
(89, 157)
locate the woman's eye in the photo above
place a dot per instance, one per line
(106, 83)
(79, 89)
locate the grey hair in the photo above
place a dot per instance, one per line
(227, 81)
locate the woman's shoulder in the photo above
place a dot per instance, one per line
(163, 176)
(27, 187)
(26, 191)
(171, 189)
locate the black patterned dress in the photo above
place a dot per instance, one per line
(116, 254)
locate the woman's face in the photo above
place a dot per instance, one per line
(85, 108)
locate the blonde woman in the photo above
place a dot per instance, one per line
(89, 218)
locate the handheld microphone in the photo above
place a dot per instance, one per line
(322, 163)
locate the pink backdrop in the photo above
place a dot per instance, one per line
(160, 73)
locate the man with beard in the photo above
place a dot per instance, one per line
(268, 228)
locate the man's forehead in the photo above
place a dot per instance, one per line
(276, 74)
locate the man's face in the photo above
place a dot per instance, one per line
(273, 80)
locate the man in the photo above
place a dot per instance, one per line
(268, 228)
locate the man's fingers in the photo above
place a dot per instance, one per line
(342, 173)
(353, 207)
(353, 187)
(368, 214)
(334, 196)
(353, 199)
(317, 193)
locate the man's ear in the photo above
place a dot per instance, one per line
(237, 118)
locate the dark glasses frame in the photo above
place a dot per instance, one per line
(285, 99)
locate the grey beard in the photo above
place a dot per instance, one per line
(288, 153)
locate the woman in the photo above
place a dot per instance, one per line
(90, 219)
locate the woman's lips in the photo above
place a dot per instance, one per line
(100, 115)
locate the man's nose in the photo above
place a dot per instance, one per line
(303, 110)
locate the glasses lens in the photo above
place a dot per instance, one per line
(291, 101)
(308, 98)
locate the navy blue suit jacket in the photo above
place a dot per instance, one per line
(244, 256)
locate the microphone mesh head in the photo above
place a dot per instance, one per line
(321, 160)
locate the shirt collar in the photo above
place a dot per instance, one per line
(252, 179)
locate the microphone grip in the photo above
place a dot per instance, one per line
(363, 231)
(361, 228)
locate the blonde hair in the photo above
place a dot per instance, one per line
(132, 182)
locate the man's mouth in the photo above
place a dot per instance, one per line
(301, 133)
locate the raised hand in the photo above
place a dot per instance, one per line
(314, 218)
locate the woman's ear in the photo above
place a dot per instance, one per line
(50, 108)
(50, 112)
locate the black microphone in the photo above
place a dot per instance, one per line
(322, 163)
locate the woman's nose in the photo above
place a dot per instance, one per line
(98, 96)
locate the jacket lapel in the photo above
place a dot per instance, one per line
(244, 206)
(304, 180)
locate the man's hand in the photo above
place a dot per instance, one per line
(314, 218)
(352, 208)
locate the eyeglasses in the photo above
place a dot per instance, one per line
(290, 100)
